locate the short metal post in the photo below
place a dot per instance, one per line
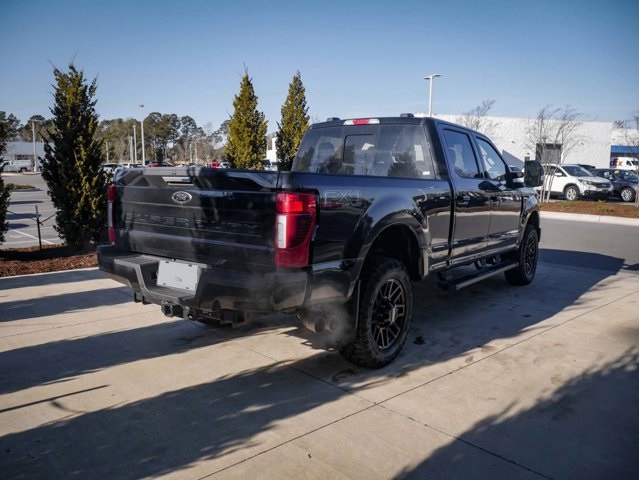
(38, 222)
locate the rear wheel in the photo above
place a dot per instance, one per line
(571, 193)
(627, 194)
(385, 311)
(527, 256)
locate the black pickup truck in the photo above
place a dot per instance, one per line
(369, 206)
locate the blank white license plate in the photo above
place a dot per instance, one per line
(178, 275)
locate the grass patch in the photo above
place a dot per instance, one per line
(613, 209)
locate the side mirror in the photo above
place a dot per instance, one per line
(533, 176)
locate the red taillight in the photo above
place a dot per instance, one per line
(111, 196)
(294, 224)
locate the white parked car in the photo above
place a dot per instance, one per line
(269, 166)
(110, 167)
(575, 182)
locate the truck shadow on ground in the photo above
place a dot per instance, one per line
(54, 278)
(62, 303)
(214, 420)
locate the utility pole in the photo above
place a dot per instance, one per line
(135, 146)
(142, 122)
(35, 155)
(130, 149)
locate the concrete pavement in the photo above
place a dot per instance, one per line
(494, 382)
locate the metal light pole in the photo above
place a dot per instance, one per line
(135, 146)
(142, 122)
(430, 91)
(35, 155)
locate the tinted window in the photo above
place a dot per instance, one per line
(387, 150)
(461, 154)
(577, 171)
(493, 164)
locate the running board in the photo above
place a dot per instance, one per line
(459, 283)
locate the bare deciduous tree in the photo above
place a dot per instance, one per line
(553, 128)
(477, 118)
(632, 139)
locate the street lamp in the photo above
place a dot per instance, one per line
(142, 134)
(135, 146)
(35, 155)
(430, 91)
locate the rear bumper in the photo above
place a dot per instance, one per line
(229, 289)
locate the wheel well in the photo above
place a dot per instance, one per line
(534, 220)
(398, 242)
(571, 185)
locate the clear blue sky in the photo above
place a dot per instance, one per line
(357, 58)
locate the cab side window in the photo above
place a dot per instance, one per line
(494, 166)
(461, 155)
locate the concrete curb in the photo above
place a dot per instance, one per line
(583, 217)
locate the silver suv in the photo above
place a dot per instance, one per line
(575, 182)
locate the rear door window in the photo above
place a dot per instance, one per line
(494, 166)
(461, 154)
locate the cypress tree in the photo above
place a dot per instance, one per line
(295, 122)
(5, 193)
(72, 162)
(246, 143)
(5, 190)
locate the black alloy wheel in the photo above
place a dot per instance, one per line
(385, 312)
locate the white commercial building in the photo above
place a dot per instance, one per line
(597, 142)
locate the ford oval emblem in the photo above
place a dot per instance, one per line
(181, 197)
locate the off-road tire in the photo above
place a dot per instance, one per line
(527, 256)
(385, 313)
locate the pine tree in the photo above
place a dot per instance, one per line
(246, 143)
(71, 166)
(295, 122)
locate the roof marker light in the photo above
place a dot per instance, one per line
(362, 121)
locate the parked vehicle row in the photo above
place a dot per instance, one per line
(575, 182)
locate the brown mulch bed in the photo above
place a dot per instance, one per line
(22, 261)
(593, 208)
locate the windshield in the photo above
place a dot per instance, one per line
(576, 171)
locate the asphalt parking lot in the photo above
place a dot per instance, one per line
(494, 382)
(21, 215)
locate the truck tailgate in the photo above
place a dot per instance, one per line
(216, 217)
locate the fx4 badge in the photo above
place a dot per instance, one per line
(181, 197)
